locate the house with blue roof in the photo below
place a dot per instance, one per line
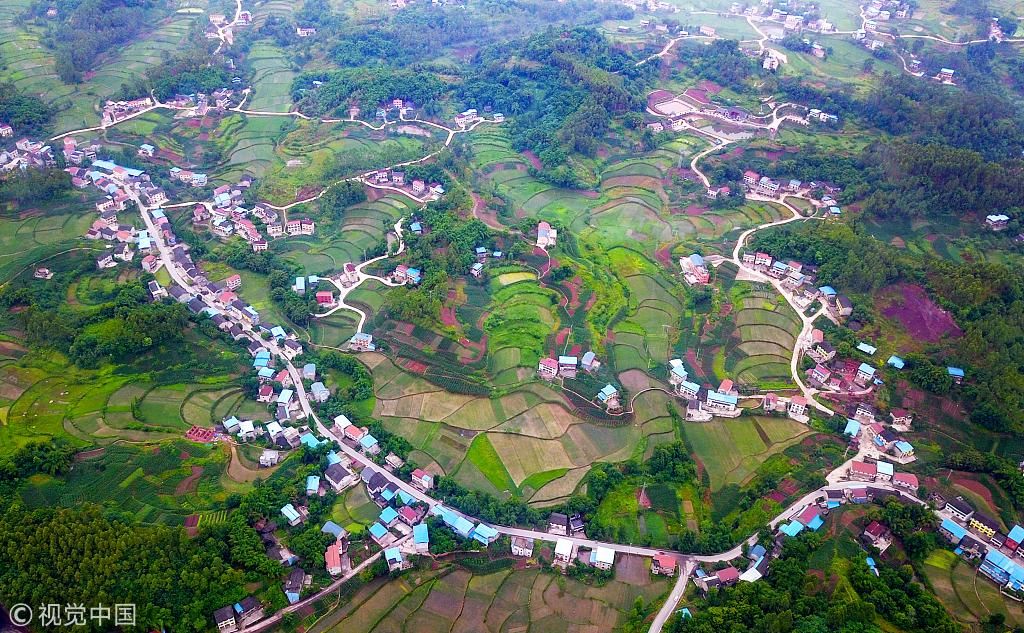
(867, 349)
(388, 494)
(291, 515)
(871, 565)
(416, 228)
(333, 529)
(379, 533)
(333, 458)
(865, 373)
(388, 516)
(903, 449)
(458, 524)
(309, 371)
(309, 440)
(1015, 537)
(312, 485)
(828, 291)
(835, 210)
(484, 533)
(415, 275)
(792, 528)
(265, 373)
(896, 362)
(260, 362)
(405, 498)
(956, 374)
(231, 424)
(319, 392)
(285, 397)
(954, 532)
(394, 557)
(1002, 569)
(852, 428)
(756, 552)
(369, 444)
(278, 332)
(421, 537)
(300, 285)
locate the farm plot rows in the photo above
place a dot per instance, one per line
(505, 601)
(271, 78)
(731, 450)
(761, 349)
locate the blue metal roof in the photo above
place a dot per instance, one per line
(896, 361)
(957, 530)
(420, 534)
(956, 372)
(388, 515)
(792, 528)
(852, 428)
(377, 530)
(1016, 534)
(867, 349)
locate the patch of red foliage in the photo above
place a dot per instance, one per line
(404, 328)
(659, 96)
(561, 336)
(448, 316)
(530, 156)
(575, 350)
(919, 315)
(664, 255)
(725, 310)
(192, 520)
(590, 302)
(168, 155)
(642, 499)
(199, 434)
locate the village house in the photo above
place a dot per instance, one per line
(522, 546)
(907, 481)
(547, 368)
(862, 471)
(997, 222)
(798, 408)
(959, 508)
(695, 271)
(664, 565)
(422, 480)
(546, 236)
(609, 396)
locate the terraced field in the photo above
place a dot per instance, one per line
(503, 600)
(535, 447)
(521, 317)
(271, 78)
(28, 64)
(32, 237)
(248, 145)
(761, 348)
(731, 450)
(158, 486)
(644, 337)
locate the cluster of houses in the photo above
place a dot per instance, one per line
(703, 403)
(799, 279)
(226, 217)
(26, 154)
(115, 111)
(311, 284)
(483, 254)
(883, 440)
(567, 366)
(394, 179)
(977, 535)
(842, 375)
(406, 275)
(198, 105)
(794, 16)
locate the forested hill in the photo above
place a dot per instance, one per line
(563, 87)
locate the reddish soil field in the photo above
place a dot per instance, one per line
(975, 486)
(919, 315)
(167, 154)
(691, 360)
(700, 96)
(404, 328)
(530, 156)
(575, 350)
(695, 210)
(590, 302)
(193, 123)
(448, 316)
(561, 336)
(414, 366)
(307, 192)
(89, 74)
(725, 310)
(479, 349)
(733, 153)
(199, 434)
(192, 520)
(788, 487)
(709, 86)
(209, 122)
(602, 152)
(574, 295)
(659, 96)
(190, 483)
(776, 496)
(590, 195)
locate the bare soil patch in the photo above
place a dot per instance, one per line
(190, 483)
(918, 314)
(534, 161)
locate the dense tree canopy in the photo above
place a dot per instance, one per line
(28, 115)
